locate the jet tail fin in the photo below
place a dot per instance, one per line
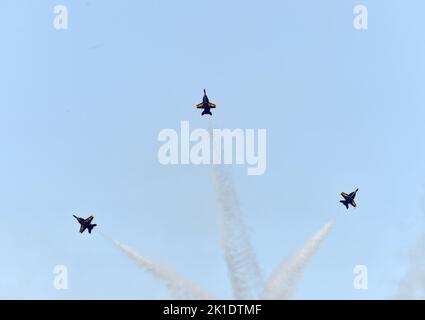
(344, 203)
(206, 112)
(90, 228)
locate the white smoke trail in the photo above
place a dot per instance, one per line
(243, 270)
(244, 273)
(283, 282)
(178, 286)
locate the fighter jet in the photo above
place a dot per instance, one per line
(349, 199)
(85, 223)
(206, 105)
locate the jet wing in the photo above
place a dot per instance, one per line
(346, 196)
(82, 228)
(353, 204)
(89, 219)
(211, 105)
(200, 105)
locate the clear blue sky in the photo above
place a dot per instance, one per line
(80, 111)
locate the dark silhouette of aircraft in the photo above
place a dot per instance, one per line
(85, 223)
(349, 199)
(206, 105)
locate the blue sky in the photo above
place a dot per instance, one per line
(81, 109)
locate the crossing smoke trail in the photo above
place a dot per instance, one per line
(243, 270)
(283, 282)
(179, 287)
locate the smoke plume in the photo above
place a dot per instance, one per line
(284, 280)
(243, 270)
(178, 286)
